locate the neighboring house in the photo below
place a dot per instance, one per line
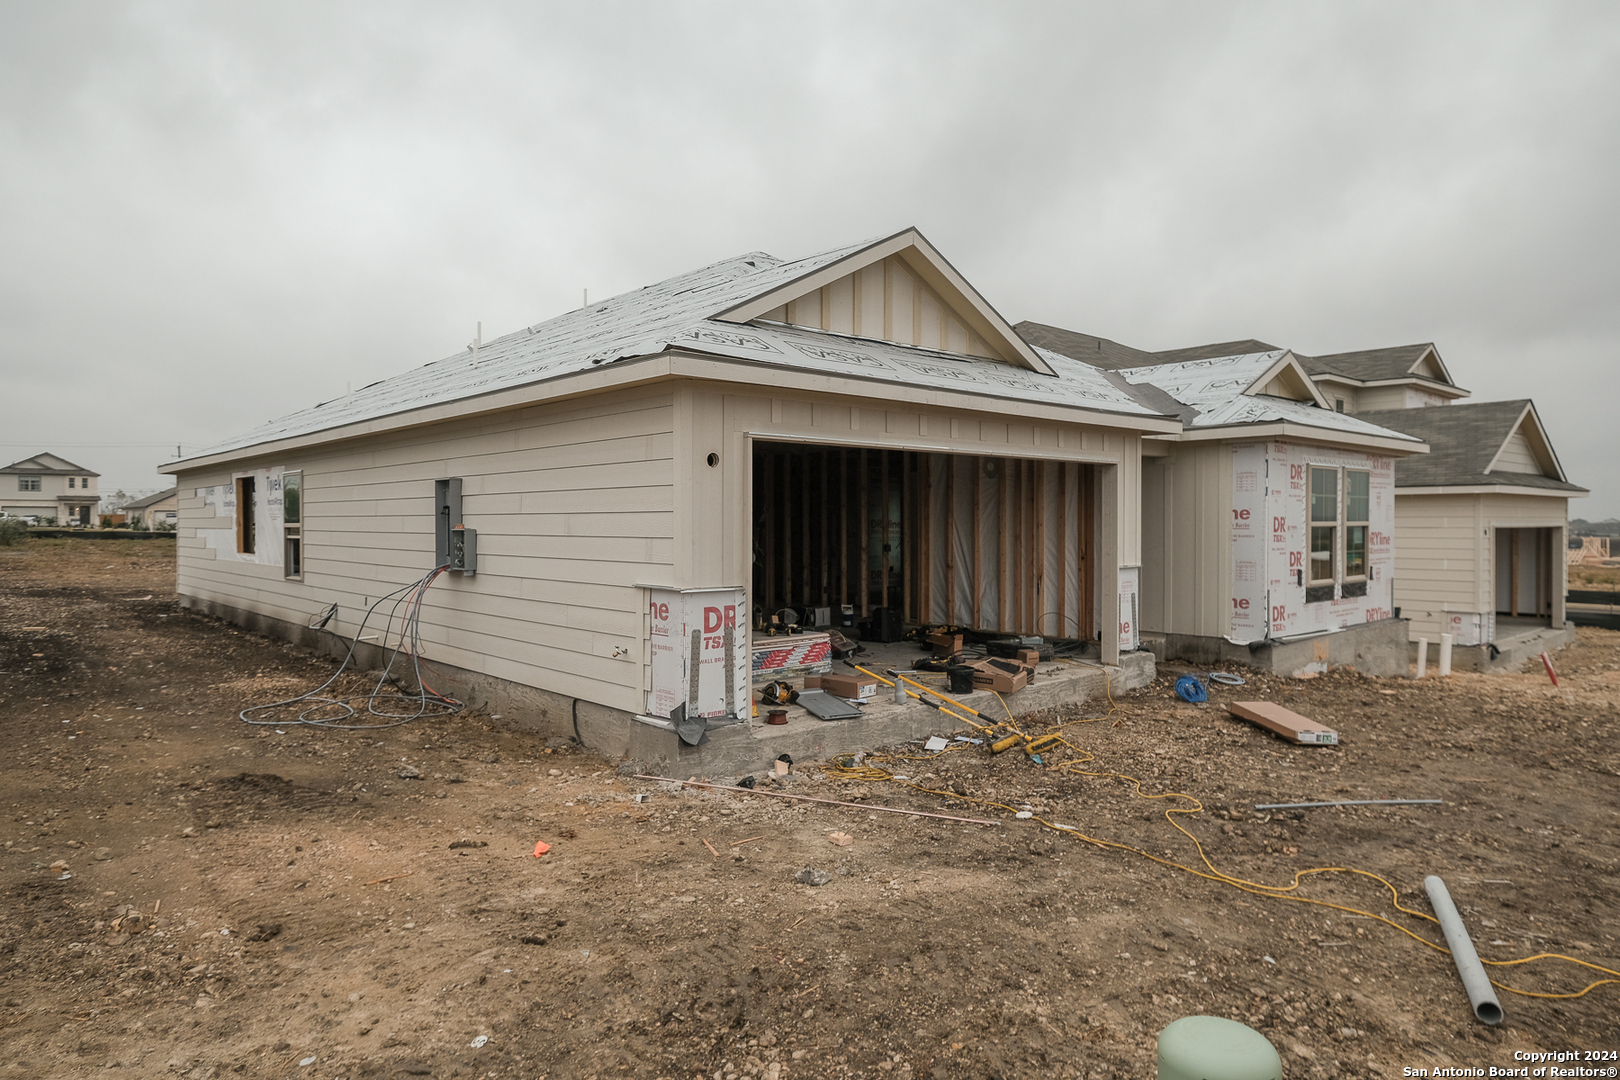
(1404, 377)
(1267, 522)
(155, 509)
(855, 428)
(1482, 523)
(46, 486)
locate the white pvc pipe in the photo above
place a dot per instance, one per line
(1445, 655)
(1423, 657)
(1478, 986)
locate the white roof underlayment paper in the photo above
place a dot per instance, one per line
(1215, 387)
(678, 313)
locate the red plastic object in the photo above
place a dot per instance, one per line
(541, 848)
(1546, 661)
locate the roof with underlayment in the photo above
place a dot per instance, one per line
(679, 313)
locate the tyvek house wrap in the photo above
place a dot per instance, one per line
(1270, 532)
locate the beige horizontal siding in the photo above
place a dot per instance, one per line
(573, 507)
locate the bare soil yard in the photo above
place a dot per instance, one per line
(186, 895)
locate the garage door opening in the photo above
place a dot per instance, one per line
(999, 544)
(1526, 563)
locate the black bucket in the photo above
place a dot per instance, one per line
(961, 678)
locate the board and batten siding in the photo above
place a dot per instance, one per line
(886, 300)
(574, 504)
(1187, 562)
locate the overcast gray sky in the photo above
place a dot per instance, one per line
(214, 214)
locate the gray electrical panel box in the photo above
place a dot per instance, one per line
(464, 550)
(454, 545)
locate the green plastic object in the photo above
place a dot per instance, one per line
(1214, 1048)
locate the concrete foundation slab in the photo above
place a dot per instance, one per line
(741, 748)
(1512, 649)
(1377, 648)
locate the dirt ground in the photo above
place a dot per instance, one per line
(186, 895)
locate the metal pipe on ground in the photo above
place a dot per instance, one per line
(1348, 802)
(1475, 982)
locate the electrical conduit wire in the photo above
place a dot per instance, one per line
(426, 701)
(847, 766)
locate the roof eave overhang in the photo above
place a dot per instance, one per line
(1492, 489)
(673, 364)
(934, 269)
(1302, 433)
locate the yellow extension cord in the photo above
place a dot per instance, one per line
(843, 767)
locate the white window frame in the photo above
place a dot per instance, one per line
(292, 524)
(1339, 581)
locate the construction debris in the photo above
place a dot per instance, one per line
(1285, 722)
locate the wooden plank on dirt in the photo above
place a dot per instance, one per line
(1285, 722)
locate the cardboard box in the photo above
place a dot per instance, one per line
(1002, 676)
(945, 645)
(1029, 657)
(855, 687)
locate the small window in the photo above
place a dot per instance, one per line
(1338, 404)
(246, 522)
(71, 481)
(27, 483)
(292, 523)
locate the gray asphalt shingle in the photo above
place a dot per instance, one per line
(1463, 439)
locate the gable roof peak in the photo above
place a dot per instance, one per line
(45, 461)
(799, 278)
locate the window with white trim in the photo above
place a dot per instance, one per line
(27, 483)
(1357, 515)
(292, 524)
(1338, 533)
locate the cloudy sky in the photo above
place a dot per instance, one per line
(215, 214)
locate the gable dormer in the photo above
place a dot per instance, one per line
(1287, 379)
(1429, 366)
(898, 289)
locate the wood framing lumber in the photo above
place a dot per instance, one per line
(1285, 722)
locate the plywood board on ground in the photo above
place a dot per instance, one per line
(1285, 722)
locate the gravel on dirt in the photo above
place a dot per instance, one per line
(190, 896)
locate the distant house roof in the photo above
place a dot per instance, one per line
(1465, 439)
(1096, 351)
(151, 500)
(1400, 363)
(709, 311)
(47, 463)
